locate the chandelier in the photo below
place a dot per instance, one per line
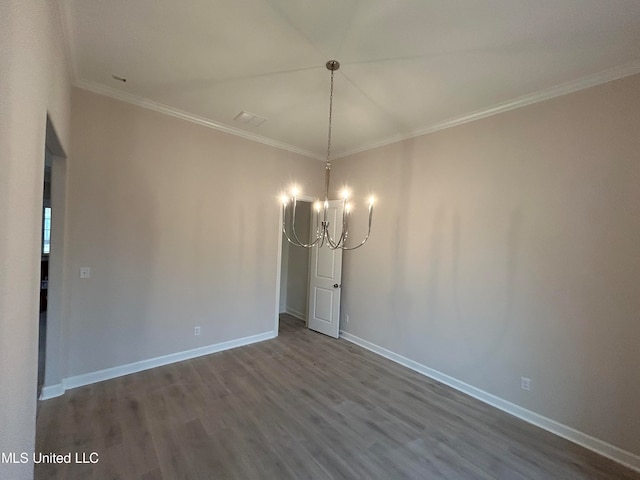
(322, 234)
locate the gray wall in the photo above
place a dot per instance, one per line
(298, 265)
(501, 248)
(179, 225)
(509, 247)
(34, 83)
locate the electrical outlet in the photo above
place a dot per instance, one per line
(525, 383)
(85, 272)
(196, 330)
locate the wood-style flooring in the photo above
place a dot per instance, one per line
(301, 406)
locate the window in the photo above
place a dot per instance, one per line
(46, 230)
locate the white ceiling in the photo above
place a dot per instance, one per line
(408, 66)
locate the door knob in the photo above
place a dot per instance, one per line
(335, 285)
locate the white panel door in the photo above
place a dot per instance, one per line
(325, 277)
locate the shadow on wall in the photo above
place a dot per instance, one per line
(466, 318)
(436, 252)
(401, 298)
(119, 241)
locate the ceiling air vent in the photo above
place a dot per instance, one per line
(249, 119)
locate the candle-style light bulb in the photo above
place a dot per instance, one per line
(284, 199)
(345, 193)
(294, 191)
(347, 208)
(371, 201)
(317, 206)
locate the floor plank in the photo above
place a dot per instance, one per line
(301, 406)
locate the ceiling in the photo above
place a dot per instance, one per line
(408, 66)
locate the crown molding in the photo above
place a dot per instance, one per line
(583, 83)
(77, 81)
(65, 23)
(181, 114)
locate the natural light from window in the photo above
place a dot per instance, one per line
(46, 231)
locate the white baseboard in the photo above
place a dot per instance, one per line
(114, 372)
(51, 391)
(603, 448)
(299, 315)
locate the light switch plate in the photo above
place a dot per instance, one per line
(85, 272)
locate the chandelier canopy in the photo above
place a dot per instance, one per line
(322, 234)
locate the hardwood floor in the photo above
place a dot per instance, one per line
(301, 406)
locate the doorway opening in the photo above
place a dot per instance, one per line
(51, 341)
(44, 268)
(294, 267)
(310, 279)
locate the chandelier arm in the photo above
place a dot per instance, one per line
(300, 243)
(359, 245)
(319, 232)
(344, 247)
(293, 209)
(284, 231)
(310, 245)
(345, 220)
(284, 226)
(345, 227)
(322, 232)
(333, 244)
(330, 242)
(325, 208)
(323, 238)
(297, 242)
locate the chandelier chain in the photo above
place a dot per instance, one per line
(330, 120)
(323, 234)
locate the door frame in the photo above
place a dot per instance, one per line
(57, 307)
(301, 198)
